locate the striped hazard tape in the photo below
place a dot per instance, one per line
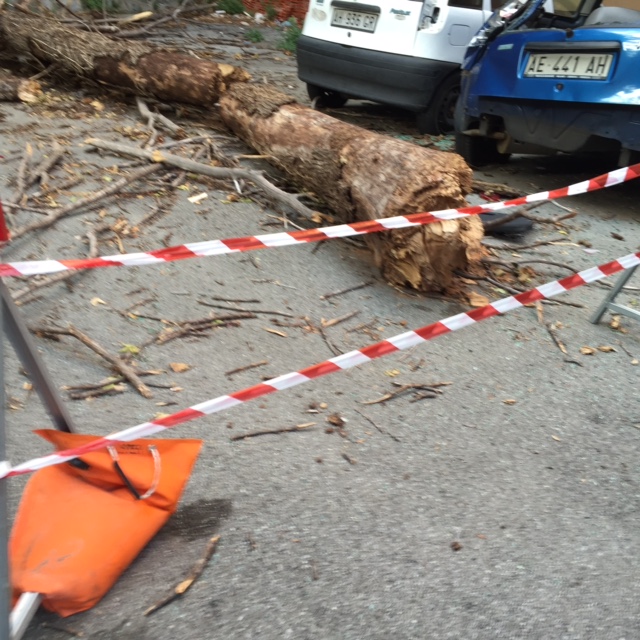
(273, 240)
(339, 363)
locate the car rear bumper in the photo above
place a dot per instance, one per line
(403, 81)
(568, 127)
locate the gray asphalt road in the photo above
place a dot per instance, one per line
(507, 507)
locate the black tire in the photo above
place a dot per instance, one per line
(326, 98)
(438, 119)
(515, 227)
(479, 151)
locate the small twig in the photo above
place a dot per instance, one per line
(513, 290)
(66, 8)
(45, 72)
(182, 142)
(236, 300)
(621, 345)
(194, 574)
(259, 311)
(117, 363)
(326, 296)
(380, 429)
(150, 117)
(21, 180)
(557, 221)
(333, 322)
(136, 33)
(253, 365)
(198, 327)
(276, 282)
(325, 337)
(529, 261)
(110, 389)
(255, 434)
(432, 390)
(62, 629)
(23, 296)
(552, 332)
(72, 207)
(522, 247)
(348, 458)
(182, 175)
(518, 213)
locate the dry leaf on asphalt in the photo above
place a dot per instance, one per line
(179, 367)
(477, 300)
(587, 351)
(605, 348)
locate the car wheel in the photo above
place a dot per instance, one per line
(479, 151)
(438, 119)
(325, 98)
(515, 227)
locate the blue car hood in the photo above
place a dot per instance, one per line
(499, 70)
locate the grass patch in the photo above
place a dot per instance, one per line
(231, 7)
(254, 35)
(289, 41)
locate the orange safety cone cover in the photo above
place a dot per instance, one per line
(81, 524)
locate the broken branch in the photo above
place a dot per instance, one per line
(117, 363)
(254, 434)
(194, 574)
(72, 207)
(223, 173)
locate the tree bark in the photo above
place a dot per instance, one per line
(362, 175)
(13, 89)
(131, 66)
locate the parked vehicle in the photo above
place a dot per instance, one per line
(560, 76)
(405, 53)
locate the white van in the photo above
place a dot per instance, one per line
(405, 53)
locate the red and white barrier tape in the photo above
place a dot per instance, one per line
(339, 363)
(250, 243)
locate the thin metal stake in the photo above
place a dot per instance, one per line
(5, 604)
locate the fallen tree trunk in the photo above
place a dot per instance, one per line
(131, 66)
(362, 175)
(13, 89)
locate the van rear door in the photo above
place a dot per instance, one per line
(381, 25)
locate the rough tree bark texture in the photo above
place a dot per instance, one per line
(132, 66)
(362, 175)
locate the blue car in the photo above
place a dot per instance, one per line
(552, 76)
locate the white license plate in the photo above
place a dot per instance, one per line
(354, 20)
(590, 66)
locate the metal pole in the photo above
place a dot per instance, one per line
(16, 330)
(5, 602)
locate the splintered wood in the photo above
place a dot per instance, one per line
(363, 175)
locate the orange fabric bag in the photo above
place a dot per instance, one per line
(80, 524)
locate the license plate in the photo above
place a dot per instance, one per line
(354, 20)
(589, 66)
